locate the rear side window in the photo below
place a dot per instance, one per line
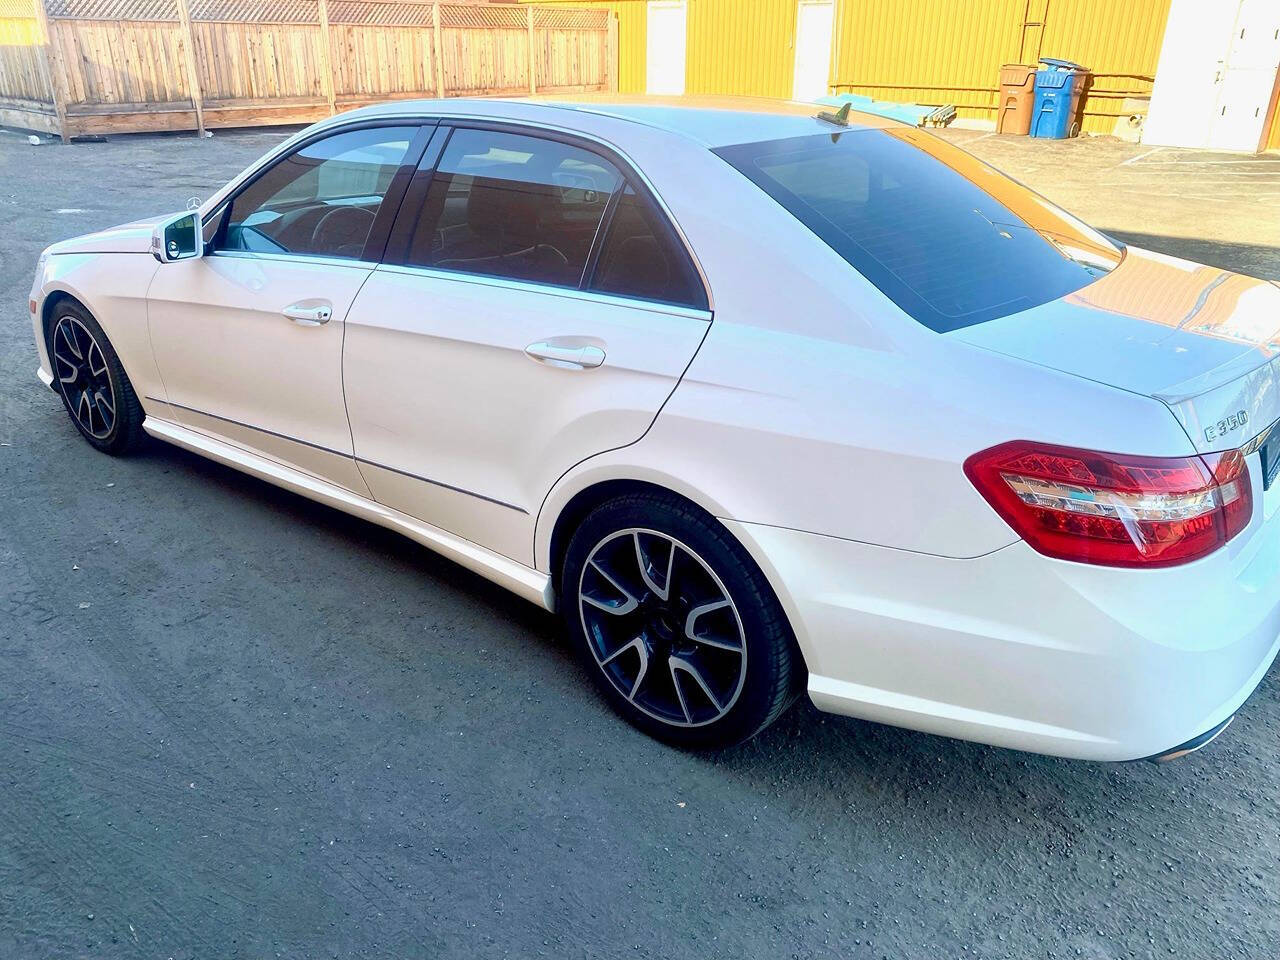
(945, 237)
(512, 206)
(641, 257)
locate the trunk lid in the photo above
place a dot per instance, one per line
(1200, 339)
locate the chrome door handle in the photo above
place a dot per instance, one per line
(572, 358)
(308, 314)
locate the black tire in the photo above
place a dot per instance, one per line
(705, 716)
(123, 433)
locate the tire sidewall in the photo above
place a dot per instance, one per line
(119, 437)
(713, 543)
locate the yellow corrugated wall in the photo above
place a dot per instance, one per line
(1118, 42)
(632, 36)
(928, 51)
(741, 47)
(937, 51)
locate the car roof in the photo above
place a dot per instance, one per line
(709, 121)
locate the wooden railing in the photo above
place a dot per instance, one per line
(81, 67)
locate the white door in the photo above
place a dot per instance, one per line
(814, 21)
(1216, 74)
(664, 53)
(1246, 77)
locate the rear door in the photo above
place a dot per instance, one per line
(537, 307)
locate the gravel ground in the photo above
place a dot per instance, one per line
(236, 724)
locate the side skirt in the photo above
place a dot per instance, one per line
(516, 577)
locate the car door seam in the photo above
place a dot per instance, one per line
(622, 446)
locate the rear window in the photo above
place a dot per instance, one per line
(945, 237)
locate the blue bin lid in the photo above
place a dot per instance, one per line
(1060, 64)
(1054, 79)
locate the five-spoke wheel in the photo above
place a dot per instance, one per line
(83, 378)
(676, 623)
(662, 627)
(93, 385)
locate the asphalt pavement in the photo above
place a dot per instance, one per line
(234, 724)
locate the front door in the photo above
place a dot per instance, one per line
(814, 21)
(665, 47)
(540, 310)
(248, 338)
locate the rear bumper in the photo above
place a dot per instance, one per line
(1018, 650)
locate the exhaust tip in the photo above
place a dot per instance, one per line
(1192, 745)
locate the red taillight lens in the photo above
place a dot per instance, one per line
(1116, 510)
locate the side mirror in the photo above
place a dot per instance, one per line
(177, 238)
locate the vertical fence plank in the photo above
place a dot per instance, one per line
(57, 70)
(437, 52)
(326, 56)
(193, 77)
(533, 60)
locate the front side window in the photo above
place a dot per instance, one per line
(320, 200)
(512, 206)
(945, 237)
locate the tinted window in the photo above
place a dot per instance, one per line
(322, 199)
(948, 239)
(642, 257)
(513, 206)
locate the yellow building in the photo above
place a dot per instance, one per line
(926, 51)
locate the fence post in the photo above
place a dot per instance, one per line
(326, 56)
(437, 52)
(193, 78)
(533, 64)
(54, 68)
(611, 53)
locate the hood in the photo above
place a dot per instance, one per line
(127, 238)
(1202, 340)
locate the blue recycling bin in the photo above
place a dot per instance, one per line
(1059, 86)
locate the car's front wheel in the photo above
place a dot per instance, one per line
(676, 624)
(88, 376)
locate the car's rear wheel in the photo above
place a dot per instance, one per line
(676, 624)
(88, 376)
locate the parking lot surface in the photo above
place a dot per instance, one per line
(236, 724)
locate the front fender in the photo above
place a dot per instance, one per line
(113, 287)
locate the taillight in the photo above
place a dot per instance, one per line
(1115, 510)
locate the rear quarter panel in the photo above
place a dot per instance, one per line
(816, 404)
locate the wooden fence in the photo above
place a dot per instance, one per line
(81, 67)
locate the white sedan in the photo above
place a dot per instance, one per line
(761, 400)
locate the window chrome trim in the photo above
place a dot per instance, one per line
(366, 265)
(1258, 442)
(396, 119)
(547, 290)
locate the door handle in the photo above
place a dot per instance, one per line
(307, 313)
(570, 358)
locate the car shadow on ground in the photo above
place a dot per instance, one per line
(830, 765)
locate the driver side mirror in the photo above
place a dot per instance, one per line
(177, 238)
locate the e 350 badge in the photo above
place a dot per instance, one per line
(1226, 425)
